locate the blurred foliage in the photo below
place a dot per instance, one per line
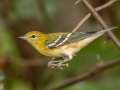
(20, 16)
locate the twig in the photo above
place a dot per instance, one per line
(98, 68)
(89, 14)
(86, 18)
(78, 1)
(102, 22)
(109, 3)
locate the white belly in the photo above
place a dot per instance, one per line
(69, 51)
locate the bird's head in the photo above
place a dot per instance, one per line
(34, 37)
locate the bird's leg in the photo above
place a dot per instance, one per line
(63, 63)
(58, 63)
(53, 62)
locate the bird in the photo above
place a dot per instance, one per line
(59, 47)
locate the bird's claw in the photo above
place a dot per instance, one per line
(57, 64)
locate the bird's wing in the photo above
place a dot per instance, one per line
(57, 39)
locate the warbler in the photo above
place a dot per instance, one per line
(59, 46)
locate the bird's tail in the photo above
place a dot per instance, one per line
(94, 36)
(105, 30)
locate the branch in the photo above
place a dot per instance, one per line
(81, 22)
(78, 1)
(102, 22)
(98, 68)
(86, 18)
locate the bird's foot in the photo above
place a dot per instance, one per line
(57, 64)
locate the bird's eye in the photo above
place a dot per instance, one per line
(33, 36)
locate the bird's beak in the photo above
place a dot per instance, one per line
(22, 37)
